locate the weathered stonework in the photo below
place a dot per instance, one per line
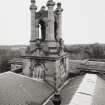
(45, 58)
(33, 9)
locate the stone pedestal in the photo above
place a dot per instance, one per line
(54, 69)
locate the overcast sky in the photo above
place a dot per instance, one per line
(83, 21)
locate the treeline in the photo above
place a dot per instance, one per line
(86, 51)
(89, 51)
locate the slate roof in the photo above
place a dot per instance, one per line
(88, 89)
(84, 90)
(99, 94)
(20, 90)
(68, 92)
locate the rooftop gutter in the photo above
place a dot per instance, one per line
(59, 89)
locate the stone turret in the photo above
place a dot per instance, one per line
(58, 12)
(45, 58)
(50, 30)
(33, 9)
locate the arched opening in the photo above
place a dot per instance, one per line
(40, 37)
(42, 30)
(55, 30)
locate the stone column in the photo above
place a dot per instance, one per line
(59, 21)
(50, 28)
(37, 29)
(33, 9)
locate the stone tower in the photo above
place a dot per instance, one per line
(45, 57)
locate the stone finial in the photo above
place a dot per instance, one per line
(32, 1)
(50, 3)
(59, 5)
(33, 6)
(59, 8)
(43, 8)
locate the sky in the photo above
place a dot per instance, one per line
(83, 21)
